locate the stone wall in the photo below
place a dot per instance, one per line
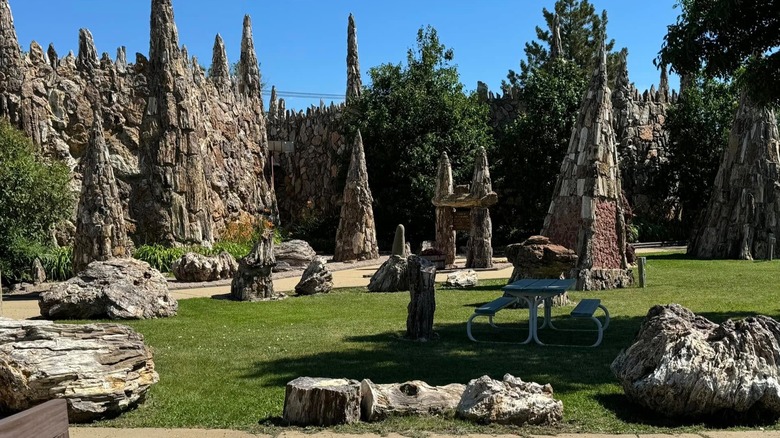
(52, 100)
(308, 181)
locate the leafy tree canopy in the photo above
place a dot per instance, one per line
(408, 115)
(728, 39)
(698, 125)
(34, 194)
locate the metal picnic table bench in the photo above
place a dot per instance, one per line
(535, 292)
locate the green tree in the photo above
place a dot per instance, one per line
(698, 125)
(35, 197)
(582, 31)
(408, 115)
(531, 148)
(728, 39)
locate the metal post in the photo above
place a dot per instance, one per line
(642, 271)
(770, 251)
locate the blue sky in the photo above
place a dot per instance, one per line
(301, 44)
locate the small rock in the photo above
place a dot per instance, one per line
(316, 279)
(37, 271)
(293, 254)
(392, 276)
(462, 279)
(510, 401)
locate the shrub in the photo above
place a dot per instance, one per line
(35, 196)
(159, 257)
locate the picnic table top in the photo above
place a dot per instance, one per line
(545, 285)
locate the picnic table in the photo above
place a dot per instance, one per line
(535, 292)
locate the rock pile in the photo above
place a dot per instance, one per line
(194, 268)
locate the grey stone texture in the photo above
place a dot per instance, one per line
(293, 254)
(683, 365)
(392, 276)
(356, 234)
(113, 289)
(316, 279)
(586, 213)
(101, 233)
(742, 219)
(252, 281)
(102, 370)
(509, 401)
(193, 267)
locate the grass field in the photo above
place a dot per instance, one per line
(224, 364)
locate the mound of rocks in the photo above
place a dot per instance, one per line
(111, 289)
(101, 370)
(194, 267)
(683, 365)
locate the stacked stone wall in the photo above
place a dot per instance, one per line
(308, 181)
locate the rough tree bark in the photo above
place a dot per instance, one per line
(408, 398)
(422, 277)
(318, 401)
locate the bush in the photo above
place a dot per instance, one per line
(159, 257)
(35, 196)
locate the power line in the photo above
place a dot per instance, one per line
(309, 95)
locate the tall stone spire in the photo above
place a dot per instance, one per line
(742, 214)
(586, 212)
(480, 247)
(121, 59)
(556, 46)
(354, 82)
(54, 58)
(663, 87)
(273, 104)
(174, 207)
(445, 215)
(356, 235)
(10, 66)
(220, 68)
(100, 223)
(249, 81)
(88, 57)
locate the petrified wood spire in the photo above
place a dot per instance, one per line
(121, 59)
(356, 235)
(556, 46)
(586, 212)
(10, 65)
(249, 82)
(100, 224)
(220, 68)
(480, 248)
(354, 82)
(663, 86)
(744, 208)
(54, 59)
(445, 215)
(174, 206)
(88, 57)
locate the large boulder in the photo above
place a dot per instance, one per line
(292, 255)
(510, 401)
(462, 279)
(683, 365)
(316, 279)
(537, 257)
(112, 289)
(194, 267)
(102, 370)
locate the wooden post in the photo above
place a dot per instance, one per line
(642, 271)
(422, 304)
(770, 250)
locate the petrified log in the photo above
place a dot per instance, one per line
(510, 401)
(102, 370)
(318, 401)
(408, 398)
(422, 304)
(253, 280)
(683, 365)
(114, 289)
(194, 267)
(392, 276)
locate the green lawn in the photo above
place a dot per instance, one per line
(224, 364)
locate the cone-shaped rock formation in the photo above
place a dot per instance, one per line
(445, 215)
(88, 58)
(743, 213)
(249, 81)
(220, 68)
(354, 82)
(100, 223)
(356, 235)
(586, 212)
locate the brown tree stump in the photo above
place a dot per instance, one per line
(422, 277)
(318, 401)
(408, 398)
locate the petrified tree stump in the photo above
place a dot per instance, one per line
(445, 215)
(392, 276)
(317, 401)
(253, 279)
(480, 254)
(408, 398)
(422, 277)
(100, 369)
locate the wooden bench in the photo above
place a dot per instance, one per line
(586, 309)
(47, 420)
(489, 309)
